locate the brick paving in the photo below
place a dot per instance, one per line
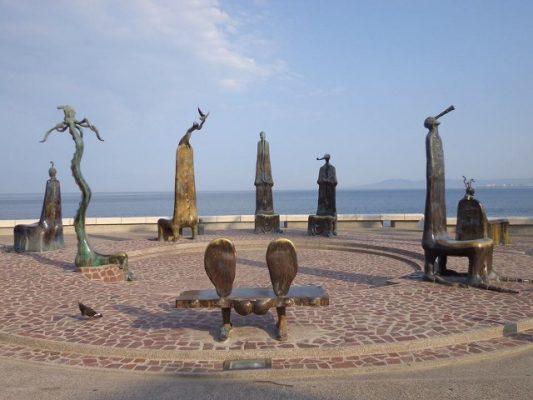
(381, 313)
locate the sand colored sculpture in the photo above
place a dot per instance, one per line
(325, 221)
(86, 257)
(266, 220)
(47, 234)
(185, 210)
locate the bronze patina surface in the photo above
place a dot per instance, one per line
(86, 256)
(325, 221)
(472, 220)
(266, 220)
(47, 234)
(436, 242)
(220, 261)
(185, 210)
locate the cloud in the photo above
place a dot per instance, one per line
(200, 30)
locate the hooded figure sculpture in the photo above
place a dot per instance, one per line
(327, 182)
(263, 178)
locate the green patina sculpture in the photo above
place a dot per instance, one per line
(86, 256)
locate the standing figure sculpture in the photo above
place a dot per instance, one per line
(185, 210)
(86, 256)
(325, 220)
(266, 219)
(47, 234)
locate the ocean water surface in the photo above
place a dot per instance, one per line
(497, 202)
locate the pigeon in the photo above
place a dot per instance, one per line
(87, 311)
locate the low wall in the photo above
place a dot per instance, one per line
(517, 225)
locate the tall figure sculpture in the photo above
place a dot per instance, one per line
(86, 256)
(325, 220)
(47, 234)
(435, 240)
(185, 211)
(266, 219)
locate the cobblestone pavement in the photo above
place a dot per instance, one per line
(381, 313)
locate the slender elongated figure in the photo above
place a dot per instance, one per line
(86, 256)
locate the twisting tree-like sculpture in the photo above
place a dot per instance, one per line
(86, 256)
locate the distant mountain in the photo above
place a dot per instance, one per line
(392, 184)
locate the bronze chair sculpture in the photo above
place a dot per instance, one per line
(47, 234)
(436, 242)
(185, 210)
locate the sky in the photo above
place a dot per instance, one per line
(354, 79)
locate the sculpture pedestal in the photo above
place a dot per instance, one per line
(104, 273)
(324, 225)
(267, 223)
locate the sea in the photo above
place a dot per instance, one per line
(498, 202)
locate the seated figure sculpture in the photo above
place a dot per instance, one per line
(47, 234)
(266, 220)
(325, 221)
(185, 210)
(436, 242)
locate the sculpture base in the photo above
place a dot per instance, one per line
(105, 273)
(34, 237)
(324, 225)
(267, 223)
(168, 231)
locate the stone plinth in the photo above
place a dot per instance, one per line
(105, 273)
(499, 231)
(267, 223)
(324, 225)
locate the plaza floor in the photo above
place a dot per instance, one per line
(381, 313)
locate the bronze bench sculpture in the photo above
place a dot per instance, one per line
(185, 210)
(437, 244)
(47, 234)
(220, 265)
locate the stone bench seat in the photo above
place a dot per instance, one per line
(259, 298)
(248, 300)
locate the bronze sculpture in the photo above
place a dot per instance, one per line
(472, 220)
(86, 256)
(220, 263)
(325, 220)
(185, 210)
(436, 242)
(266, 219)
(47, 234)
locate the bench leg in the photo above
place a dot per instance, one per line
(226, 327)
(282, 324)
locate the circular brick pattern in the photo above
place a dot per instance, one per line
(373, 278)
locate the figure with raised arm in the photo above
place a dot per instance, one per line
(86, 256)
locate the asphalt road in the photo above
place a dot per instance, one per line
(503, 377)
